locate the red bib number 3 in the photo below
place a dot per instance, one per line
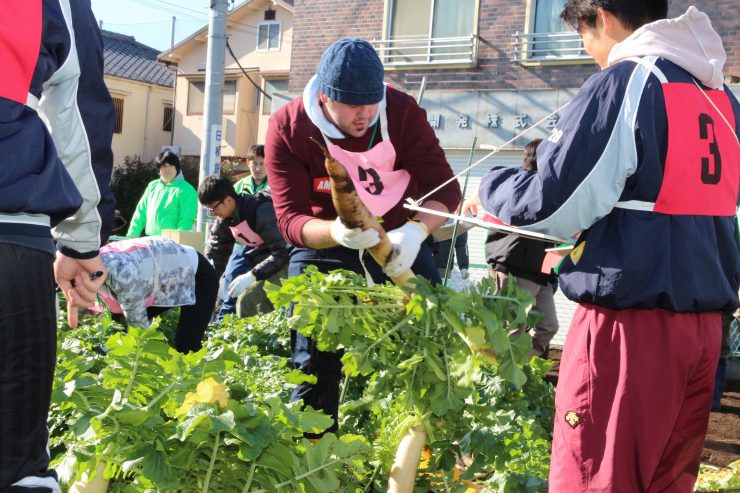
(702, 169)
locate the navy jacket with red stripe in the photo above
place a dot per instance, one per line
(648, 169)
(55, 170)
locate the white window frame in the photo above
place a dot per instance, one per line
(380, 45)
(279, 36)
(524, 43)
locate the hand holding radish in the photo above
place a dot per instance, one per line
(354, 238)
(406, 242)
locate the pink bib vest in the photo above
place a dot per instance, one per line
(243, 233)
(378, 185)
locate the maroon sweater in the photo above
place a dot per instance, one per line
(295, 164)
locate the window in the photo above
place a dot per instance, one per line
(547, 23)
(547, 16)
(547, 37)
(196, 97)
(430, 31)
(268, 36)
(229, 96)
(277, 89)
(118, 107)
(167, 118)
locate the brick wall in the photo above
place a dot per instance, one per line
(317, 23)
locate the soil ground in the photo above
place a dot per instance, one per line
(722, 443)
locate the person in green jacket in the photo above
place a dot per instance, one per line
(257, 179)
(169, 202)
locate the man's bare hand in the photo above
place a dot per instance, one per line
(79, 281)
(470, 206)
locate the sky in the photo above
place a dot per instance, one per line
(150, 21)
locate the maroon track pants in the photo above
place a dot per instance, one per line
(633, 399)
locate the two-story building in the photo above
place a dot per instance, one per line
(258, 55)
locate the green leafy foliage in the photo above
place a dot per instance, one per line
(125, 397)
(426, 358)
(718, 479)
(267, 334)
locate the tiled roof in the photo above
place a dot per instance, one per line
(126, 58)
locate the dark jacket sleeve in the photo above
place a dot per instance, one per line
(264, 223)
(82, 234)
(582, 167)
(220, 245)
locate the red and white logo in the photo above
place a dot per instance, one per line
(322, 185)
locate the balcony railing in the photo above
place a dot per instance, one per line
(406, 51)
(531, 47)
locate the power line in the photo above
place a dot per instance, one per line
(147, 3)
(164, 21)
(235, 26)
(105, 23)
(228, 47)
(247, 28)
(180, 7)
(254, 30)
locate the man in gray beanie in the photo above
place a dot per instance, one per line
(390, 151)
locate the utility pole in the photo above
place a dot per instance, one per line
(172, 36)
(210, 149)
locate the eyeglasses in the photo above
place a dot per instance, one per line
(211, 210)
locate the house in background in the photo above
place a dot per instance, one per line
(142, 92)
(260, 34)
(492, 71)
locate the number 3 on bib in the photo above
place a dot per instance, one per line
(702, 168)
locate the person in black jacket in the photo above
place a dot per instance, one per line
(56, 125)
(251, 220)
(513, 256)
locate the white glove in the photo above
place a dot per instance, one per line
(240, 284)
(464, 273)
(406, 243)
(354, 238)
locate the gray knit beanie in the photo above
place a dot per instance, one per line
(350, 72)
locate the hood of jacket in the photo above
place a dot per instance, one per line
(689, 41)
(178, 176)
